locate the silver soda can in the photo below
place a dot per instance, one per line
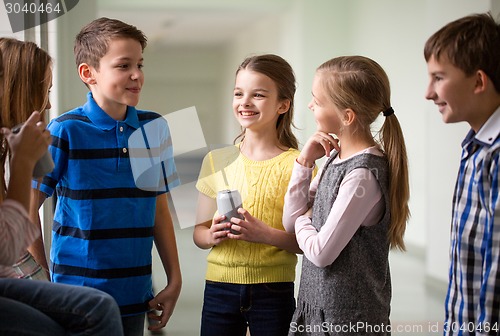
(228, 202)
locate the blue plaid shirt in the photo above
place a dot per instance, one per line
(473, 298)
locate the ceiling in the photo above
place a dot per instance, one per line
(169, 23)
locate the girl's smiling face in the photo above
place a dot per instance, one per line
(255, 101)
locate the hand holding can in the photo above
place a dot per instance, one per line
(228, 203)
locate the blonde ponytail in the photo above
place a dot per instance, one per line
(391, 140)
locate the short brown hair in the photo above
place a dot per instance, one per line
(471, 43)
(92, 42)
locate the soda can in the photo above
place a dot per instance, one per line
(228, 202)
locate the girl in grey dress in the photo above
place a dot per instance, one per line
(349, 216)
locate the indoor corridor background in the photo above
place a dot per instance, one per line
(194, 48)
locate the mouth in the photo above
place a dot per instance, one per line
(134, 90)
(247, 113)
(441, 106)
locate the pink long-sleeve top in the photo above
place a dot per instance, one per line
(348, 212)
(16, 234)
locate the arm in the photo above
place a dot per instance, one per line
(297, 199)
(208, 232)
(166, 245)
(254, 230)
(487, 318)
(27, 147)
(359, 202)
(299, 194)
(16, 232)
(37, 249)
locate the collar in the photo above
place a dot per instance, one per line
(488, 133)
(102, 120)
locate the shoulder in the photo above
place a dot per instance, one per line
(145, 115)
(68, 120)
(74, 115)
(293, 152)
(226, 154)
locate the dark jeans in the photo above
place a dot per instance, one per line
(266, 309)
(133, 325)
(33, 307)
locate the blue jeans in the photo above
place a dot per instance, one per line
(228, 309)
(32, 307)
(133, 325)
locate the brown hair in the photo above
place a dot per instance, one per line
(26, 80)
(26, 83)
(92, 42)
(470, 43)
(282, 75)
(360, 84)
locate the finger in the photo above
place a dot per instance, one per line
(41, 125)
(152, 304)
(221, 226)
(154, 316)
(236, 227)
(219, 218)
(34, 118)
(5, 131)
(336, 145)
(244, 213)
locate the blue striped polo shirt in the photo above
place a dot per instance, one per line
(102, 234)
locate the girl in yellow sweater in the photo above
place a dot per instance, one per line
(251, 265)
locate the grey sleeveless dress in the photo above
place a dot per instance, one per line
(352, 295)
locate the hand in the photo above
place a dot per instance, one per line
(218, 231)
(164, 303)
(318, 145)
(251, 229)
(31, 142)
(308, 213)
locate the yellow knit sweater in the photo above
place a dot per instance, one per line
(262, 185)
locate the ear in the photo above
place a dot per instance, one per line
(349, 117)
(86, 73)
(482, 81)
(284, 106)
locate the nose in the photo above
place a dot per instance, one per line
(136, 74)
(430, 93)
(310, 105)
(245, 102)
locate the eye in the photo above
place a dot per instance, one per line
(140, 66)
(259, 95)
(122, 66)
(437, 78)
(238, 94)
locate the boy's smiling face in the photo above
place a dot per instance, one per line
(119, 80)
(452, 91)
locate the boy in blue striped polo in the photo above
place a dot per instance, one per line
(464, 74)
(104, 224)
